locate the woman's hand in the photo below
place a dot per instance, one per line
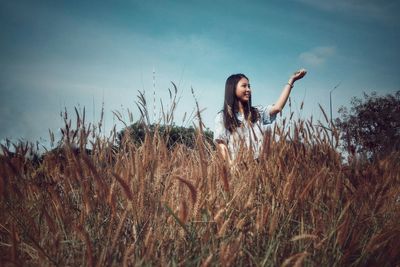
(286, 91)
(297, 75)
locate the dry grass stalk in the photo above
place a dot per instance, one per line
(128, 257)
(273, 223)
(89, 248)
(192, 189)
(224, 227)
(334, 213)
(124, 186)
(225, 177)
(183, 212)
(207, 261)
(298, 258)
(303, 236)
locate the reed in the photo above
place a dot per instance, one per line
(88, 203)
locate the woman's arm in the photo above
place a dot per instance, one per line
(280, 103)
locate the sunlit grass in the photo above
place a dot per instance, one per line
(90, 203)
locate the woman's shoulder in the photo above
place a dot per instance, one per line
(258, 108)
(265, 116)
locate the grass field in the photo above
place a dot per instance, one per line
(142, 204)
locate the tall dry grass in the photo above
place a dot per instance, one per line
(299, 205)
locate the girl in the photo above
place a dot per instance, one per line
(239, 122)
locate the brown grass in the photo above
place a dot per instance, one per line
(300, 205)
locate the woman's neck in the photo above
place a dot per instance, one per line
(240, 107)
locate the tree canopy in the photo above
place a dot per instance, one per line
(173, 134)
(372, 125)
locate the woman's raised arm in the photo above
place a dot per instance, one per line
(280, 103)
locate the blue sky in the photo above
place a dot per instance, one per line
(56, 54)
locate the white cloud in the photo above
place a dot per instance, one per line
(317, 56)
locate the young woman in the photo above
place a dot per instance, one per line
(239, 123)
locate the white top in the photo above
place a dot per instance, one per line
(251, 136)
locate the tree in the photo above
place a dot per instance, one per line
(173, 134)
(372, 126)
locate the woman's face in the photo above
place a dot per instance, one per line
(243, 91)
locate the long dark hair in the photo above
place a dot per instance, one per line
(231, 104)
